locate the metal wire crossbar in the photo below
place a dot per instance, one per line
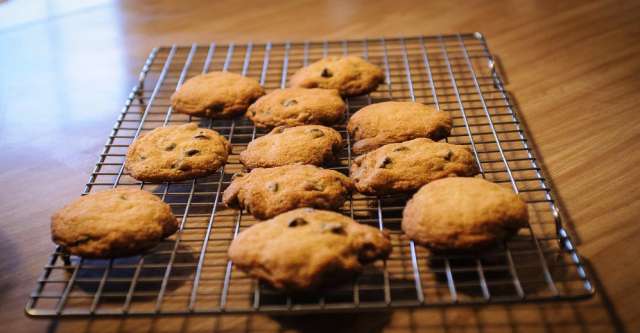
(190, 273)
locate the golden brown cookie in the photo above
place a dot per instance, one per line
(216, 95)
(463, 213)
(390, 122)
(305, 249)
(297, 106)
(350, 75)
(272, 191)
(114, 223)
(406, 166)
(309, 144)
(176, 153)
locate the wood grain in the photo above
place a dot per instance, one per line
(572, 66)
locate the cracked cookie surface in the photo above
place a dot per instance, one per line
(389, 122)
(463, 213)
(176, 153)
(267, 192)
(308, 144)
(406, 166)
(114, 223)
(216, 95)
(350, 75)
(297, 106)
(305, 249)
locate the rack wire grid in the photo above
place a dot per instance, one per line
(189, 273)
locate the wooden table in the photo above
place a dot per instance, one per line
(67, 66)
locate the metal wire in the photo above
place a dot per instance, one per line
(190, 274)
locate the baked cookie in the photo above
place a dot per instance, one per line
(406, 166)
(350, 75)
(216, 95)
(390, 122)
(176, 153)
(272, 191)
(297, 106)
(462, 213)
(114, 223)
(309, 144)
(305, 249)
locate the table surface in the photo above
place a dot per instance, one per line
(573, 66)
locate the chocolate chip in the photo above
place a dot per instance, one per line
(316, 133)
(333, 227)
(367, 251)
(201, 135)
(297, 222)
(355, 130)
(272, 186)
(170, 147)
(289, 102)
(142, 157)
(326, 73)
(123, 197)
(192, 151)
(401, 148)
(385, 163)
(448, 155)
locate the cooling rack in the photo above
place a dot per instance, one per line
(189, 273)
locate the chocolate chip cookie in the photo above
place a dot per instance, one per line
(350, 75)
(390, 122)
(176, 153)
(406, 166)
(114, 223)
(309, 144)
(297, 106)
(305, 249)
(216, 95)
(272, 191)
(463, 213)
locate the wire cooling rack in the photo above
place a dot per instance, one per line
(189, 273)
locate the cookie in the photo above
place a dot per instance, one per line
(463, 213)
(350, 75)
(297, 106)
(272, 191)
(379, 124)
(305, 249)
(406, 166)
(176, 153)
(114, 223)
(309, 144)
(216, 95)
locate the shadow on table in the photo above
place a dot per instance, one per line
(592, 315)
(10, 261)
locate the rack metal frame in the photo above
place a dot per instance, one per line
(189, 273)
